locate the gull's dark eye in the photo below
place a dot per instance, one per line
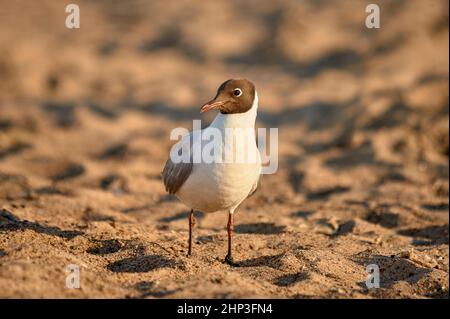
(237, 92)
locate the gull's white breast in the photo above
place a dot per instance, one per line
(218, 186)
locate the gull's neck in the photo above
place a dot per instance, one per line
(237, 120)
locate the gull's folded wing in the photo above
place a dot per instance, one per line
(175, 174)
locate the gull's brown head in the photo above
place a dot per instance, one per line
(233, 96)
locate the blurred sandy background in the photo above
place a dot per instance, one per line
(85, 117)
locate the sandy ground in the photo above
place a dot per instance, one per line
(85, 118)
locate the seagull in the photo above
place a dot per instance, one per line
(219, 185)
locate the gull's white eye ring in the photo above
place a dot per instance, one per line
(237, 92)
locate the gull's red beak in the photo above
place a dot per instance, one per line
(213, 104)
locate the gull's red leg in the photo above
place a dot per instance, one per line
(191, 226)
(230, 228)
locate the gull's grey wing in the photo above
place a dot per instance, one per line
(175, 174)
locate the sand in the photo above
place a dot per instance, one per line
(85, 118)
